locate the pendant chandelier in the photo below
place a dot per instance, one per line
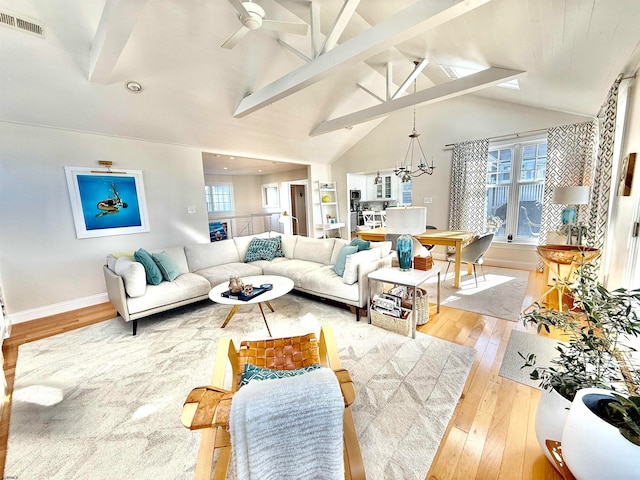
(405, 170)
(378, 179)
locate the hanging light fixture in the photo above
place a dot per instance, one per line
(405, 170)
(378, 179)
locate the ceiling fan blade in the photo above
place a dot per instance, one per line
(237, 4)
(286, 27)
(235, 38)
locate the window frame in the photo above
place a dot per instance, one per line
(513, 198)
(209, 197)
(270, 195)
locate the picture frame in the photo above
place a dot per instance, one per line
(626, 175)
(106, 203)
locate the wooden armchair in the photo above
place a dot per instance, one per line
(208, 407)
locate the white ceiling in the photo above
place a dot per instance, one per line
(571, 51)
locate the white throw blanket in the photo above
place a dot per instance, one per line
(289, 428)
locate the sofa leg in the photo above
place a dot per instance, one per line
(357, 314)
(135, 326)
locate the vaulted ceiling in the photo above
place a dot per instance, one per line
(299, 98)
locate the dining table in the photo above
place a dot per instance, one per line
(449, 238)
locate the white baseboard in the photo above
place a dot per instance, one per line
(495, 262)
(57, 308)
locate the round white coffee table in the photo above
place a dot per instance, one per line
(281, 286)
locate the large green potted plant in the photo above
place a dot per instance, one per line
(598, 330)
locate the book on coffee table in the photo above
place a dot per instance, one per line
(242, 296)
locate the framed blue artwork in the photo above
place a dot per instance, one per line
(106, 203)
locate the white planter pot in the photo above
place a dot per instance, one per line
(593, 449)
(552, 413)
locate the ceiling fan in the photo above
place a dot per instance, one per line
(251, 15)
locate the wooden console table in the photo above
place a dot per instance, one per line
(448, 238)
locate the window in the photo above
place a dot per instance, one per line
(270, 196)
(219, 197)
(515, 183)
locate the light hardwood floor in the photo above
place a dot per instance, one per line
(490, 436)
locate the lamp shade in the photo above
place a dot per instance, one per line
(410, 220)
(571, 195)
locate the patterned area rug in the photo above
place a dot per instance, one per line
(499, 293)
(99, 403)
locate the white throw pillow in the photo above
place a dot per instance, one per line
(350, 275)
(385, 247)
(133, 275)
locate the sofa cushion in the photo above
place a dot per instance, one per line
(242, 243)
(350, 275)
(361, 244)
(112, 258)
(133, 275)
(262, 249)
(314, 249)
(325, 282)
(289, 245)
(221, 273)
(153, 273)
(168, 267)
(337, 246)
(177, 255)
(293, 269)
(341, 261)
(385, 247)
(204, 255)
(185, 287)
(252, 373)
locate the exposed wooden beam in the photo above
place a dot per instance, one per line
(419, 17)
(444, 91)
(294, 50)
(412, 76)
(315, 29)
(362, 87)
(116, 24)
(346, 12)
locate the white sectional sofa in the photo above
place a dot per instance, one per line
(309, 262)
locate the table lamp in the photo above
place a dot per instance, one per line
(407, 221)
(570, 196)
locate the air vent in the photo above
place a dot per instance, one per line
(21, 23)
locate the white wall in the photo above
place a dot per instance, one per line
(459, 119)
(42, 264)
(623, 269)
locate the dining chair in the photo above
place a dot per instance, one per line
(473, 253)
(369, 218)
(430, 227)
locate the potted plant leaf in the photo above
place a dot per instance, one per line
(598, 330)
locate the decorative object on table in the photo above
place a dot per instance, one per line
(570, 196)
(235, 285)
(597, 354)
(106, 202)
(601, 438)
(248, 290)
(410, 220)
(326, 198)
(405, 169)
(404, 248)
(423, 263)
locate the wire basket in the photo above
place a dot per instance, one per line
(421, 304)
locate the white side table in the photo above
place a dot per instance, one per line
(412, 278)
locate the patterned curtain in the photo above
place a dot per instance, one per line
(599, 201)
(570, 155)
(468, 185)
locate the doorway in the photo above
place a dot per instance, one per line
(298, 199)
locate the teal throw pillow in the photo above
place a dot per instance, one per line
(261, 249)
(278, 241)
(167, 265)
(361, 244)
(151, 270)
(341, 261)
(251, 372)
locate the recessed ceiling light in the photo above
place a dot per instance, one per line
(232, 158)
(259, 169)
(225, 168)
(458, 72)
(133, 87)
